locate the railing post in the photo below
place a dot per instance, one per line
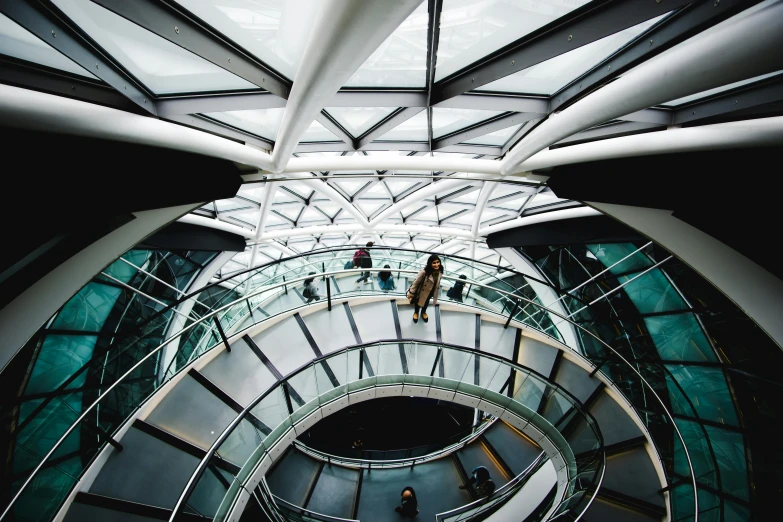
(329, 295)
(222, 333)
(361, 361)
(285, 287)
(323, 270)
(516, 305)
(247, 302)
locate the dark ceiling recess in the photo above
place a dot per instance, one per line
(730, 194)
(62, 193)
(185, 236)
(593, 229)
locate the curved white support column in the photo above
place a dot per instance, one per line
(739, 134)
(345, 34)
(739, 48)
(219, 225)
(555, 215)
(22, 108)
(486, 192)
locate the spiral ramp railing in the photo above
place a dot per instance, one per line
(172, 464)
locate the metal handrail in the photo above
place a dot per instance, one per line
(475, 433)
(310, 512)
(261, 290)
(515, 483)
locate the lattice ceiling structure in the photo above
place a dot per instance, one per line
(383, 120)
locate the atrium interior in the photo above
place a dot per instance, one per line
(217, 212)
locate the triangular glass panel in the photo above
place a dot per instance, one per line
(310, 215)
(329, 208)
(162, 66)
(398, 187)
(428, 215)
(549, 76)
(401, 60)
(412, 129)
(317, 132)
(369, 208)
(718, 90)
(275, 32)
(358, 120)
(469, 31)
(18, 42)
(446, 121)
(498, 138)
(261, 122)
(350, 187)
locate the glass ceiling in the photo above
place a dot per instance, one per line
(275, 33)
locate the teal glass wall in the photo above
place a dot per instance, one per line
(697, 350)
(90, 342)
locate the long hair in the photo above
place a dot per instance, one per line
(309, 280)
(384, 276)
(428, 268)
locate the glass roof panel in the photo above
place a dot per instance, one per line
(400, 61)
(412, 129)
(717, 90)
(446, 121)
(157, 63)
(17, 42)
(261, 122)
(495, 138)
(471, 30)
(551, 75)
(275, 31)
(317, 132)
(358, 120)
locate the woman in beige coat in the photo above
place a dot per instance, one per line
(426, 286)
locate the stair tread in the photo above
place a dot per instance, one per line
(285, 345)
(476, 454)
(497, 340)
(632, 473)
(136, 473)
(615, 424)
(240, 373)
(374, 321)
(292, 478)
(436, 484)
(576, 380)
(421, 330)
(192, 413)
(79, 512)
(335, 492)
(517, 451)
(603, 511)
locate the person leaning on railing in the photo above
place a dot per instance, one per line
(426, 286)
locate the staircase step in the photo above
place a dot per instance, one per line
(516, 450)
(330, 330)
(293, 477)
(191, 412)
(631, 473)
(436, 484)
(477, 454)
(285, 345)
(615, 424)
(335, 492)
(576, 380)
(88, 506)
(602, 510)
(148, 471)
(421, 330)
(374, 320)
(239, 373)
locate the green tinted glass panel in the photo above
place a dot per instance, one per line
(88, 310)
(699, 451)
(611, 253)
(60, 357)
(652, 293)
(708, 392)
(679, 337)
(123, 271)
(729, 449)
(733, 512)
(682, 505)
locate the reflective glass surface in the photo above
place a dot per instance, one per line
(471, 30)
(446, 121)
(261, 122)
(358, 120)
(551, 75)
(275, 31)
(401, 60)
(718, 90)
(17, 42)
(412, 129)
(159, 64)
(317, 132)
(499, 137)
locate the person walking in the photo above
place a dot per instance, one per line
(483, 481)
(385, 279)
(455, 292)
(310, 290)
(362, 259)
(426, 286)
(409, 505)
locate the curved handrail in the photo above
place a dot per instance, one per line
(202, 466)
(475, 433)
(514, 484)
(263, 289)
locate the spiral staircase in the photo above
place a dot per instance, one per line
(192, 450)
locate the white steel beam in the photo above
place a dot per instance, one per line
(443, 187)
(369, 163)
(555, 215)
(690, 67)
(345, 34)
